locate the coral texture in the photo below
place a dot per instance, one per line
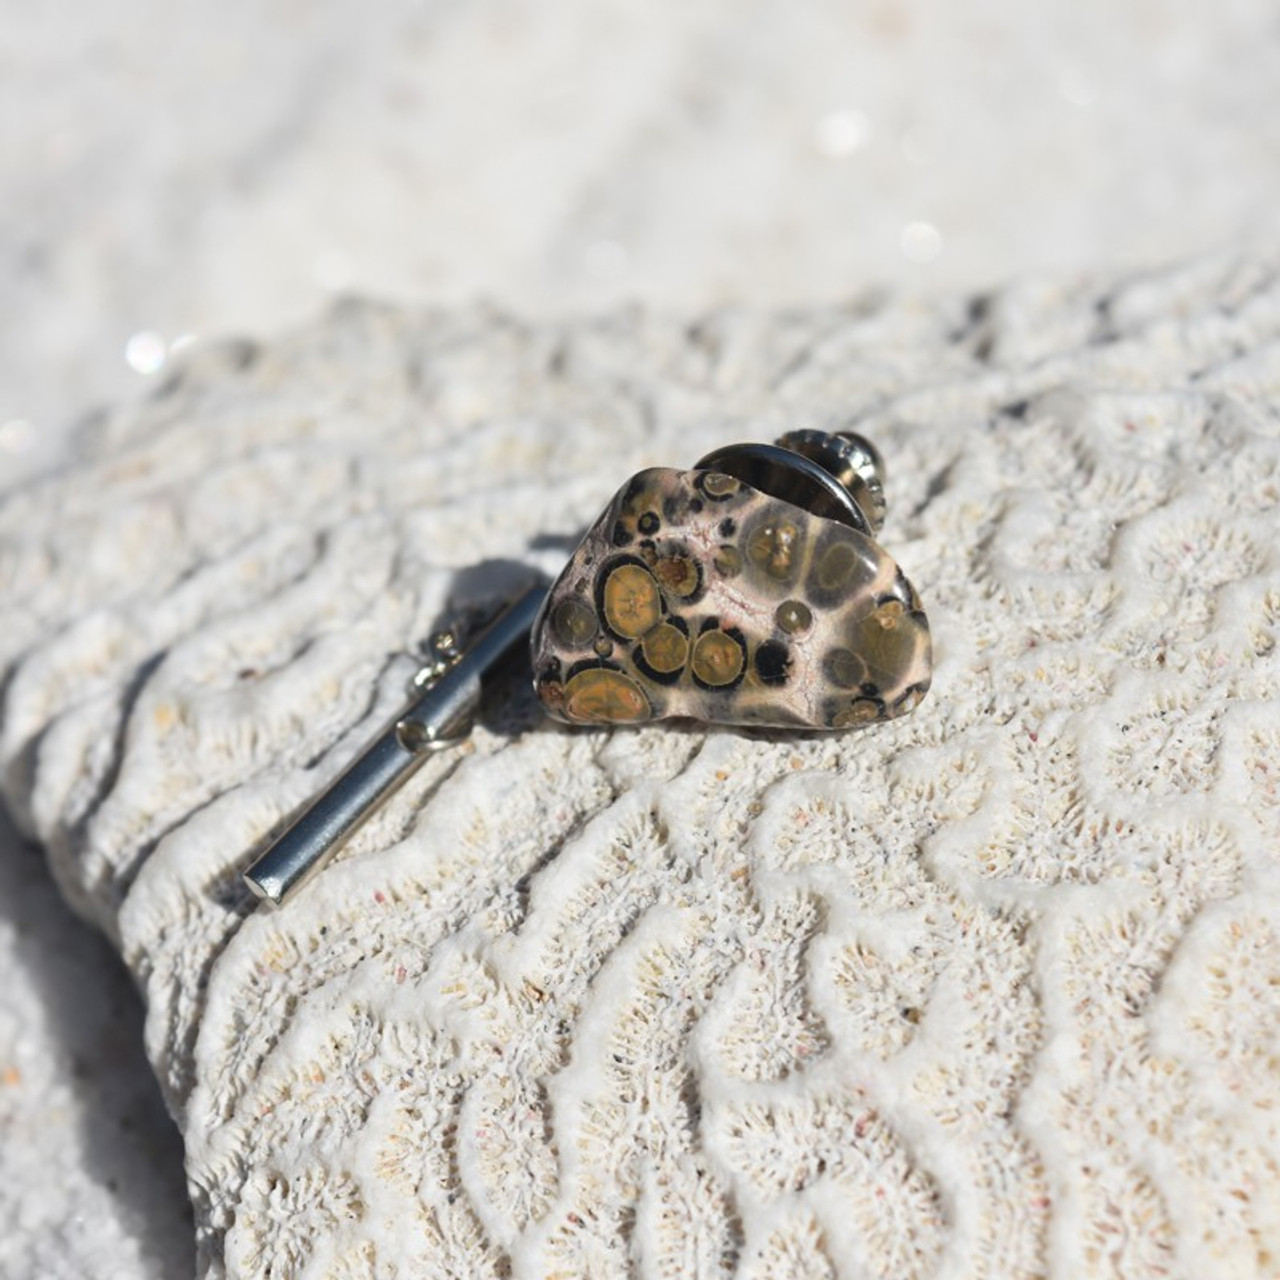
(992, 990)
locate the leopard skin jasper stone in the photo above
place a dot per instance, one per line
(696, 595)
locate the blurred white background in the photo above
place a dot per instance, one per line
(174, 171)
(179, 169)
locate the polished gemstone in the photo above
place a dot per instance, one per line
(696, 595)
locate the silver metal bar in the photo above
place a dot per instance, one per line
(432, 719)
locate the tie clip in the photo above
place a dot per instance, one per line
(436, 716)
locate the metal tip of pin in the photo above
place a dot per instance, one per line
(265, 889)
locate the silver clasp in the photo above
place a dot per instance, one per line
(441, 713)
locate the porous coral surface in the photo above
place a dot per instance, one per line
(989, 991)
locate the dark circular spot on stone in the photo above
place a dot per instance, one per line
(574, 622)
(631, 602)
(793, 616)
(842, 565)
(649, 522)
(719, 658)
(679, 574)
(844, 668)
(666, 647)
(774, 543)
(620, 535)
(717, 486)
(662, 654)
(728, 562)
(891, 641)
(728, 527)
(773, 662)
(836, 567)
(603, 696)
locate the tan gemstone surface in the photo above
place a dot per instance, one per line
(696, 595)
(606, 697)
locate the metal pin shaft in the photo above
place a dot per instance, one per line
(432, 719)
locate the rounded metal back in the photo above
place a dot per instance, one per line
(790, 477)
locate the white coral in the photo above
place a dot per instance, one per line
(991, 991)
